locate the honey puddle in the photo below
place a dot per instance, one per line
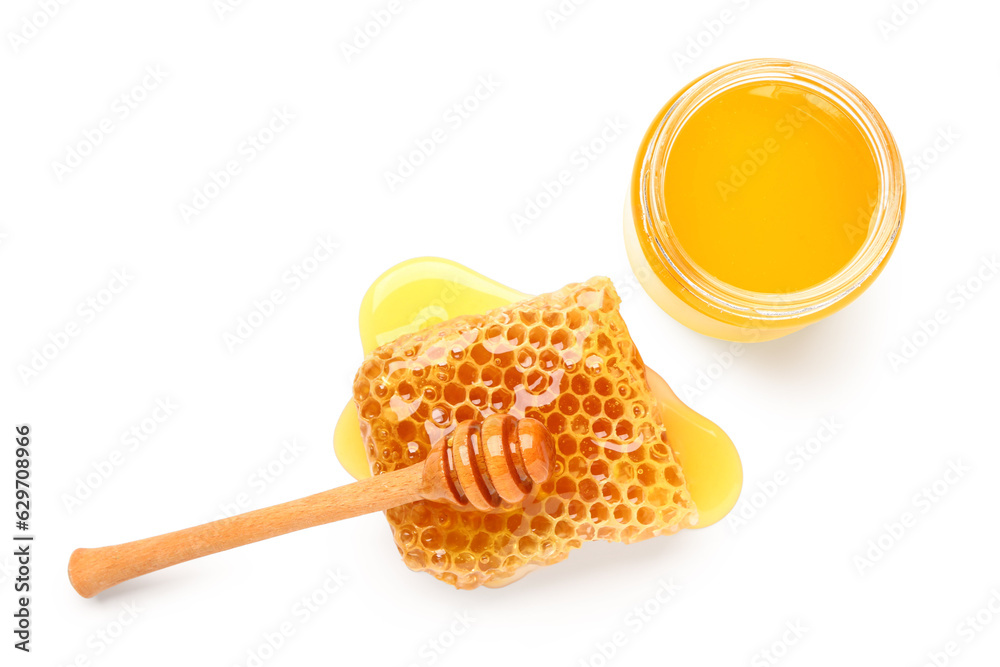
(423, 292)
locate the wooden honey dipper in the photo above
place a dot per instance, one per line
(476, 465)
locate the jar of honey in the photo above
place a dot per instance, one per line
(766, 195)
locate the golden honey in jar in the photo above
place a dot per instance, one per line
(766, 195)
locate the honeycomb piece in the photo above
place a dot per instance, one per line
(565, 359)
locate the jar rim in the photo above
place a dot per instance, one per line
(884, 225)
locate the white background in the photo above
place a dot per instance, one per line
(162, 337)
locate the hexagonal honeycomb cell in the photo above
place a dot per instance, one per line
(565, 359)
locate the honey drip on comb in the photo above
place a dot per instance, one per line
(425, 291)
(564, 359)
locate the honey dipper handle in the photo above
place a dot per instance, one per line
(94, 570)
